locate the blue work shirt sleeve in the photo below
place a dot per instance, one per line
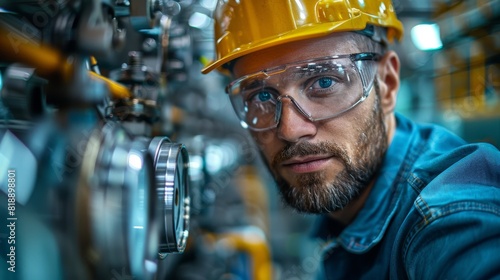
(458, 241)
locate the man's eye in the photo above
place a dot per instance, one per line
(261, 96)
(264, 96)
(323, 83)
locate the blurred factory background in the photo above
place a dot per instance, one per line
(147, 102)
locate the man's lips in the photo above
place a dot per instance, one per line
(306, 164)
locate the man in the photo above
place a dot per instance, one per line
(316, 86)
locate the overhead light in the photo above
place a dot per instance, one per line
(426, 37)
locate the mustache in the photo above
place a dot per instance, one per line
(307, 149)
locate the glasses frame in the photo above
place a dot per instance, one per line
(268, 72)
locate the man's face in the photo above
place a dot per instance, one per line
(319, 166)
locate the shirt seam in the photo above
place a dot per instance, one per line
(429, 216)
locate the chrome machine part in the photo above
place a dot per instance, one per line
(171, 162)
(139, 113)
(118, 205)
(112, 203)
(145, 77)
(145, 13)
(153, 19)
(96, 33)
(23, 93)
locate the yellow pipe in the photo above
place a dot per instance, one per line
(49, 63)
(256, 247)
(93, 61)
(117, 90)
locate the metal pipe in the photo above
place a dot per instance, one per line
(49, 63)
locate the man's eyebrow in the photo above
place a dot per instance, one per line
(297, 72)
(252, 83)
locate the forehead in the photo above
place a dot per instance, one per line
(334, 44)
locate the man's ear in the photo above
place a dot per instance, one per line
(388, 75)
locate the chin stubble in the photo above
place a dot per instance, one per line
(312, 193)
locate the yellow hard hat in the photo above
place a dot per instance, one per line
(246, 26)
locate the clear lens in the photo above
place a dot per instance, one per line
(324, 88)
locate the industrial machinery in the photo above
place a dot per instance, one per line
(91, 189)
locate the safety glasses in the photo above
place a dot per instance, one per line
(324, 87)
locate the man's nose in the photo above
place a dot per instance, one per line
(293, 125)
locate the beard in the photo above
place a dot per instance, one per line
(311, 193)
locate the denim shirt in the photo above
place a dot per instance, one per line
(433, 213)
